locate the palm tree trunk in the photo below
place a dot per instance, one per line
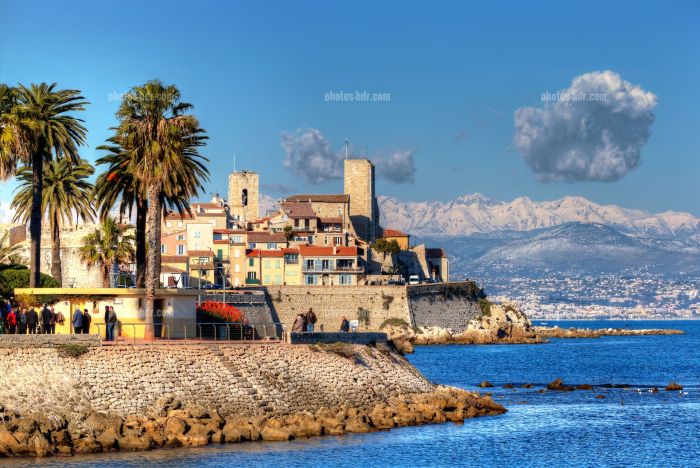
(35, 220)
(153, 264)
(105, 267)
(141, 214)
(56, 250)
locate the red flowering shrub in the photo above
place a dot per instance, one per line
(222, 311)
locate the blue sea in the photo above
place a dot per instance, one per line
(630, 426)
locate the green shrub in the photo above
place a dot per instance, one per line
(71, 350)
(393, 322)
(13, 278)
(485, 305)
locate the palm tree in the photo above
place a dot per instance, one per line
(110, 244)
(162, 141)
(66, 193)
(118, 184)
(9, 253)
(35, 126)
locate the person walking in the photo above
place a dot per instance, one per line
(11, 322)
(46, 317)
(106, 316)
(54, 319)
(77, 321)
(344, 325)
(22, 320)
(59, 318)
(299, 324)
(86, 321)
(32, 321)
(310, 320)
(111, 322)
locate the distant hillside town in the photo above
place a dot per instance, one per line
(308, 239)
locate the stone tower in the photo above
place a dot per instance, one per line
(243, 195)
(359, 184)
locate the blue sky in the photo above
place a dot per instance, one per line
(456, 74)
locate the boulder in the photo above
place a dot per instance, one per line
(108, 439)
(86, 445)
(132, 442)
(272, 433)
(558, 385)
(673, 386)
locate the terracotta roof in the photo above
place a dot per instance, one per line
(434, 253)
(178, 216)
(208, 205)
(266, 237)
(264, 253)
(331, 220)
(261, 220)
(229, 231)
(394, 233)
(173, 259)
(200, 253)
(170, 269)
(334, 198)
(290, 250)
(318, 251)
(298, 209)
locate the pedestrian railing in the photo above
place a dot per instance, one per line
(212, 331)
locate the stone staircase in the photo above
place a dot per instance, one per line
(239, 380)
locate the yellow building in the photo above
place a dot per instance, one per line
(403, 239)
(273, 267)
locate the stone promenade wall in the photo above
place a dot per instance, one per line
(234, 379)
(445, 305)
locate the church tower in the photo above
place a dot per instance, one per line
(359, 184)
(243, 195)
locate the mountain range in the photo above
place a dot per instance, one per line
(571, 234)
(476, 213)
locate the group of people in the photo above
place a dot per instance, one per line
(307, 322)
(23, 320)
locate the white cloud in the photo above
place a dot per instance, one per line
(6, 213)
(593, 130)
(309, 154)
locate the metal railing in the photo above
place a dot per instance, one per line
(210, 331)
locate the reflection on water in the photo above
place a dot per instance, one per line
(628, 426)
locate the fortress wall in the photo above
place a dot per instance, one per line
(331, 303)
(446, 305)
(234, 379)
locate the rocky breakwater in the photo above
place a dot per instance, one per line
(557, 332)
(145, 397)
(502, 323)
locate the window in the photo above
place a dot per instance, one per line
(325, 264)
(271, 245)
(291, 259)
(338, 240)
(252, 275)
(244, 197)
(197, 234)
(252, 245)
(251, 262)
(310, 279)
(180, 237)
(220, 254)
(237, 268)
(169, 224)
(203, 260)
(266, 279)
(179, 224)
(267, 263)
(309, 264)
(345, 279)
(296, 223)
(163, 248)
(290, 272)
(325, 240)
(181, 249)
(278, 263)
(237, 253)
(237, 239)
(278, 279)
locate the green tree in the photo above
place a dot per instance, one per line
(36, 126)
(111, 243)
(288, 232)
(9, 254)
(66, 194)
(119, 185)
(160, 135)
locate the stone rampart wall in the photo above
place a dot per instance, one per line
(234, 379)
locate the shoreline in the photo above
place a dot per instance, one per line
(173, 425)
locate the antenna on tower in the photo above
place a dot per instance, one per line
(346, 148)
(234, 162)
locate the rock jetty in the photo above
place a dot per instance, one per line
(556, 332)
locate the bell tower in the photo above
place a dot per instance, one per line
(243, 195)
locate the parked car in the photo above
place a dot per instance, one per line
(413, 279)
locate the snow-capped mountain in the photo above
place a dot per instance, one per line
(477, 213)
